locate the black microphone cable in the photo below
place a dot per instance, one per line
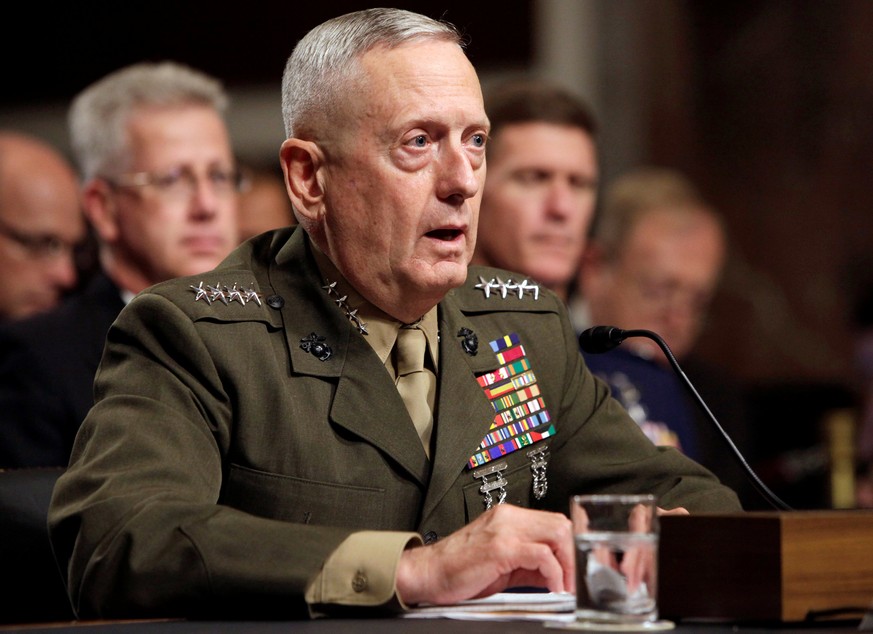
(599, 339)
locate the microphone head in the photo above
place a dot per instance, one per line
(599, 339)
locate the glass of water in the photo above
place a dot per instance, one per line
(616, 562)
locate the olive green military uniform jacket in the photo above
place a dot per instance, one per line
(227, 458)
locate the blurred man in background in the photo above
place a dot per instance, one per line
(541, 188)
(41, 226)
(654, 262)
(160, 189)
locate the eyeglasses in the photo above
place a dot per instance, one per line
(181, 183)
(673, 295)
(41, 246)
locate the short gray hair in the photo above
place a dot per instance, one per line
(99, 114)
(327, 56)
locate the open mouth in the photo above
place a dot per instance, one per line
(446, 235)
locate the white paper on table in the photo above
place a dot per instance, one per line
(504, 606)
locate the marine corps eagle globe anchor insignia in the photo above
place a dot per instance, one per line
(314, 344)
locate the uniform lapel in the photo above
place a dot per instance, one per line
(366, 402)
(464, 414)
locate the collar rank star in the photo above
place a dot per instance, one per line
(330, 287)
(508, 287)
(225, 294)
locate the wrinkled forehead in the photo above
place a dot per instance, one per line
(423, 74)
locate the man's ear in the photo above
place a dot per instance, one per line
(301, 164)
(99, 206)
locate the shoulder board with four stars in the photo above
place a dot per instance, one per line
(224, 294)
(508, 288)
(495, 289)
(231, 294)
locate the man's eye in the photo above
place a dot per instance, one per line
(221, 177)
(419, 141)
(478, 140)
(582, 183)
(170, 179)
(531, 177)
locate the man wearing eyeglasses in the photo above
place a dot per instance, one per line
(41, 226)
(654, 262)
(159, 187)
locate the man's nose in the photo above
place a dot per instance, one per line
(459, 176)
(561, 199)
(63, 271)
(205, 197)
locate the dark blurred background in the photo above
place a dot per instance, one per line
(766, 104)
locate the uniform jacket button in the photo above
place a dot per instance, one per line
(275, 301)
(430, 537)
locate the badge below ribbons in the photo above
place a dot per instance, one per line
(521, 417)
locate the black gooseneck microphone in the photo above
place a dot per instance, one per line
(600, 339)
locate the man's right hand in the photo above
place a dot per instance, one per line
(508, 546)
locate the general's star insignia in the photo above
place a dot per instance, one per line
(235, 294)
(217, 293)
(330, 288)
(225, 294)
(201, 293)
(485, 287)
(525, 286)
(508, 287)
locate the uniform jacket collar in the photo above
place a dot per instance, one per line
(366, 402)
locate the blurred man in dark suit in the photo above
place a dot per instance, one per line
(41, 226)
(159, 187)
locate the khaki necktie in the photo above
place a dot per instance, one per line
(413, 382)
